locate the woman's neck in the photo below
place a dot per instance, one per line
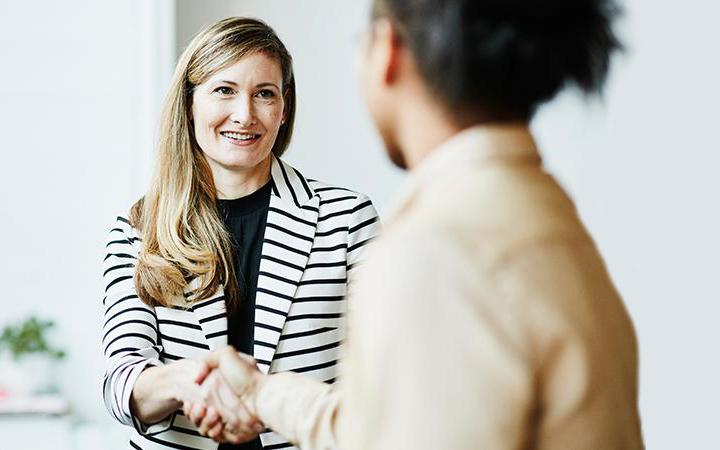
(231, 184)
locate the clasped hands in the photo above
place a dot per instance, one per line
(227, 411)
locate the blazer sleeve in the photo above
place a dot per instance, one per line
(363, 227)
(304, 411)
(130, 339)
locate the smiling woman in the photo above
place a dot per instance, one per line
(237, 114)
(230, 245)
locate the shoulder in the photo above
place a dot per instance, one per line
(334, 198)
(332, 192)
(122, 235)
(436, 261)
(417, 244)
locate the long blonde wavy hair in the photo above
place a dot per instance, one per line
(183, 235)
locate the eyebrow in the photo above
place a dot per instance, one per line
(258, 86)
(268, 84)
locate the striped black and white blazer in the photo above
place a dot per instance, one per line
(314, 237)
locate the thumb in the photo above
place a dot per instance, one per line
(237, 370)
(247, 358)
(212, 359)
(203, 372)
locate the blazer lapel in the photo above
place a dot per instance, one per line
(211, 315)
(289, 234)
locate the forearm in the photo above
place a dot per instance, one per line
(154, 395)
(302, 410)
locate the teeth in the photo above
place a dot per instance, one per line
(239, 136)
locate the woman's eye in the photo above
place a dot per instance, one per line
(266, 93)
(223, 90)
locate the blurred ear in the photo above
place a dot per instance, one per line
(385, 52)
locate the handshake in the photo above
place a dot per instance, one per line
(225, 410)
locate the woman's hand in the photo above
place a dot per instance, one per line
(225, 416)
(238, 370)
(159, 391)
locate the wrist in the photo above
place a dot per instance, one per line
(254, 390)
(170, 380)
(153, 395)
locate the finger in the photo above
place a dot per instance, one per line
(212, 359)
(234, 411)
(211, 419)
(247, 358)
(238, 437)
(206, 422)
(238, 419)
(237, 371)
(216, 432)
(197, 414)
(204, 371)
(187, 408)
(220, 398)
(248, 423)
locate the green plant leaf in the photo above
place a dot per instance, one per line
(29, 336)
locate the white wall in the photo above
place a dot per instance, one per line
(641, 166)
(79, 89)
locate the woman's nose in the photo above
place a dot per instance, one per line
(243, 112)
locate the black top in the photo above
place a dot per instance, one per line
(245, 219)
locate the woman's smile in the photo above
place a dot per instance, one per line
(241, 138)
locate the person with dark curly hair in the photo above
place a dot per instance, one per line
(484, 317)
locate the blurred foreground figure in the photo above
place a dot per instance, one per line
(484, 317)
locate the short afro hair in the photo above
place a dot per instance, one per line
(504, 58)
